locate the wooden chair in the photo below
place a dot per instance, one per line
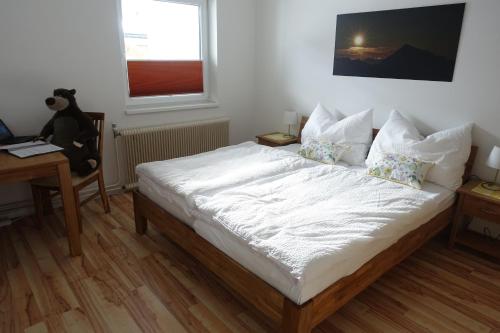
(42, 188)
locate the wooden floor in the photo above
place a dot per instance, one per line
(127, 283)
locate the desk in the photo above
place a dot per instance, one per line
(13, 169)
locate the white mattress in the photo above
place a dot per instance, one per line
(312, 259)
(167, 199)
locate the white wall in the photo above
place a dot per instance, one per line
(75, 44)
(295, 47)
(272, 55)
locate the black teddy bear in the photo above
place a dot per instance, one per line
(72, 130)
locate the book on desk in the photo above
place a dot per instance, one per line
(28, 149)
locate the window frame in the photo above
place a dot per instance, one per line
(150, 104)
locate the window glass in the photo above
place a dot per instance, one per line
(163, 49)
(161, 30)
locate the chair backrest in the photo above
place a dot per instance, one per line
(98, 120)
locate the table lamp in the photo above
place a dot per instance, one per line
(494, 163)
(290, 119)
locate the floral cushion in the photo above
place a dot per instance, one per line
(322, 151)
(401, 169)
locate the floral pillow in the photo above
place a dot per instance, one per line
(401, 169)
(322, 151)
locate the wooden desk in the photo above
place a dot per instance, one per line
(13, 169)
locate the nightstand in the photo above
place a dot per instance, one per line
(276, 139)
(472, 204)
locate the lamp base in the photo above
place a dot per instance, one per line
(491, 186)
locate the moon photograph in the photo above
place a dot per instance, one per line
(414, 43)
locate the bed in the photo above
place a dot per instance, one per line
(242, 220)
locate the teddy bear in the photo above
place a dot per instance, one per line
(72, 130)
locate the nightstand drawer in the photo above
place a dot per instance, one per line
(267, 143)
(482, 209)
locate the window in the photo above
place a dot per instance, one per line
(166, 50)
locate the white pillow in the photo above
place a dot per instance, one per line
(448, 149)
(319, 120)
(354, 131)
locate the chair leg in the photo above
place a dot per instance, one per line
(76, 194)
(141, 222)
(38, 201)
(102, 191)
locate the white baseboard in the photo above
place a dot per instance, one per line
(5, 223)
(25, 208)
(16, 209)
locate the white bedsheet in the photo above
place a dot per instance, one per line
(167, 199)
(300, 225)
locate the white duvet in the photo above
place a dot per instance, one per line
(208, 173)
(316, 223)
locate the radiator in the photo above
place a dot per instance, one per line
(158, 143)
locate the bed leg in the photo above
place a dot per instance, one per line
(296, 318)
(141, 222)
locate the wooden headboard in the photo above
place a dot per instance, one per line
(468, 165)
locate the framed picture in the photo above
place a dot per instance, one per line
(413, 43)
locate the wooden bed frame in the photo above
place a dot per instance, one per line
(290, 317)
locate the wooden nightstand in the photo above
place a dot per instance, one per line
(276, 139)
(472, 204)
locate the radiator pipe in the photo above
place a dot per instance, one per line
(116, 131)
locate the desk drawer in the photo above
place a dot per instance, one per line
(482, 209)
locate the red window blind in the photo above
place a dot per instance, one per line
(157, 78)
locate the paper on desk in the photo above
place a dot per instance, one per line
(33, 150)
(23, 145)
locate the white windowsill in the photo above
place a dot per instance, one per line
(142, 109)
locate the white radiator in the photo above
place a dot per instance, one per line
(158, 143)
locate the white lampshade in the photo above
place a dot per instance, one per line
(290, 117)
(494, 158)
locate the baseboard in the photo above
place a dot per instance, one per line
(15, 210)
(25, 208)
